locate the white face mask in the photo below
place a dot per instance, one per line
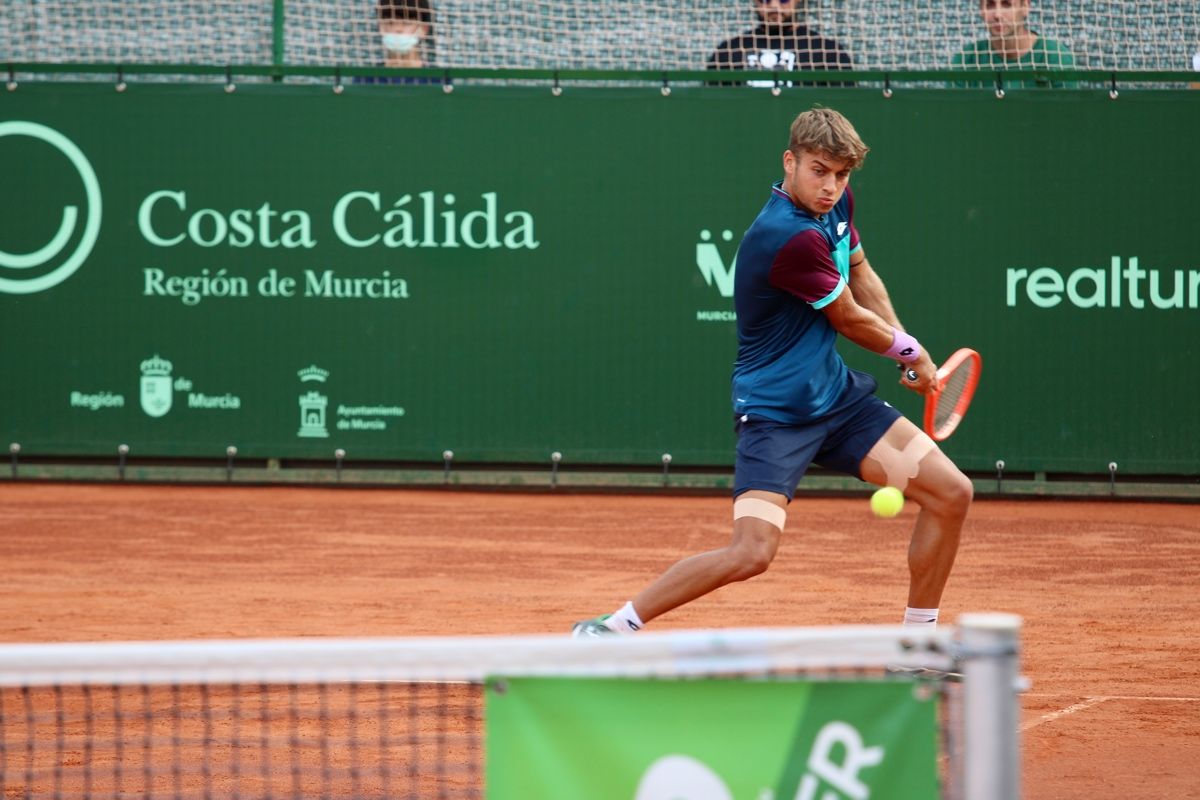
(400, 42)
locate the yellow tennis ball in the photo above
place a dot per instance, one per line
(887, 502)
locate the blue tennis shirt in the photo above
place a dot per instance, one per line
(790, 265)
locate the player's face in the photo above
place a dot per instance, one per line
(775, 12)
(815, 181)
(1004, 18)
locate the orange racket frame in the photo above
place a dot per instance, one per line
(934, 397)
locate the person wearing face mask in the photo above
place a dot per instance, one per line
(782, 41)
(406, 33)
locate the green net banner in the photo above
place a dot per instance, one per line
(396, 270)
(709, 740)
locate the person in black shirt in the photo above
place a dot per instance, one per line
(781, 42)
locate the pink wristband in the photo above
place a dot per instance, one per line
(904, 349)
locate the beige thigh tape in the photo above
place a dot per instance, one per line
(901, 466)
(761, 509)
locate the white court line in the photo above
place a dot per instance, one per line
(1094, 701)
(1163, 698)
(1062, 712)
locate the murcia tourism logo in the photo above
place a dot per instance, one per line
(717, 274)
(58, 258)
(712, 265)
(156, 386)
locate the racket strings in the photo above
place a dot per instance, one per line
(952, 393)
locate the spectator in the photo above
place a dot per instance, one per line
(782, 41)
(1011, 44)
(406, 32)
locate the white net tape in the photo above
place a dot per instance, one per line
(370, 718)
(574, 34)
(473, 658)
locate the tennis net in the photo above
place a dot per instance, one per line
(426, 718)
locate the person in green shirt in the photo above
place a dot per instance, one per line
(1011, 44)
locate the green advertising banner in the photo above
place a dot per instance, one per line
(607, 739)
(396, 271)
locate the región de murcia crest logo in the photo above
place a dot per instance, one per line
(156, 390)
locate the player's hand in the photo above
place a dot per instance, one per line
(926, 374)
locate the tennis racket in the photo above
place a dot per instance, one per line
(953, 389)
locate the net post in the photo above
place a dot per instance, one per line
(989, 652)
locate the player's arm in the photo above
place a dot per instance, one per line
(871, 293)
(869, 290)
(869, 330)
(804, 268)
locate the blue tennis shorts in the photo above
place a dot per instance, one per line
(775, 455)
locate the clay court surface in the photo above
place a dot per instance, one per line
(1110, 592)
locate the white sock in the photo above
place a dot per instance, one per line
(920, 617)
(625, 620)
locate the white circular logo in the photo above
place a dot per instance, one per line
(12, 263)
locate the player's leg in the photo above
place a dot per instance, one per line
(771, 458)
(905, 457)
(758, 522)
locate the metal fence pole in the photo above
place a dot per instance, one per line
(990, 657)
(278, 15)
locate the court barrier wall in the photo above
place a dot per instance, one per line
(394, 272)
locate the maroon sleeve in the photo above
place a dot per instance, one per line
(804, 267)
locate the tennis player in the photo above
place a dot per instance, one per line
(803, 278)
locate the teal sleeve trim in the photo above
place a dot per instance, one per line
(833, 295)
(856, 249)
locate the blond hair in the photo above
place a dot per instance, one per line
(823, 130)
